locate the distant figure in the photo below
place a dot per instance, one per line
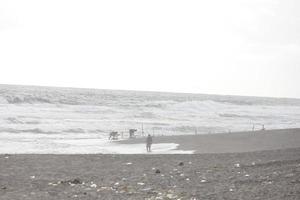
(263, 127)
(149, 143)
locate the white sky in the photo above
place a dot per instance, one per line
(243, 47)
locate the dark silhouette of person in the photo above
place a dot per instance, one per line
(149, 143)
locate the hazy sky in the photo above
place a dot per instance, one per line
(243, 47)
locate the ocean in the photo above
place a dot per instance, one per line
(69, 120)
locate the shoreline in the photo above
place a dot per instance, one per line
(264, 174)
(176, 144)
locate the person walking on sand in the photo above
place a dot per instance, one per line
(149, 143)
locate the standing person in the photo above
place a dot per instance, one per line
(149, 143)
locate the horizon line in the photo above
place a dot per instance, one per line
(137, 90)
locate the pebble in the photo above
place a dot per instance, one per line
(140, 183)
(93, 185)
(52, 184)
(171, 196)
(157, 171)
(129, 163)
(181, 164)
(203, 181)
(32, 177)
(247, 175)
(75, 181)
(289, 175)
(237, 165)
(147, 189)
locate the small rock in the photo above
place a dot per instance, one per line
(231, 190)
(187, 179)
(181, 164)
(32, 177)
(203, 181)
(253, 163)
(76, 181)
(93, 185)
(289, 175)
(3, 188)
(237, 165)
(157, 171)
(129, 163)
(140, 183)
(171, 196)
(247, 175)
(117, 183)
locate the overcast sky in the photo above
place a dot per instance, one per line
(239, 47)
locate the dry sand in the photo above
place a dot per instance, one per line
(271, 174)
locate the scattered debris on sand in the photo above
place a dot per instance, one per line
(217, 176)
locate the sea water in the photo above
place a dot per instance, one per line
(68, 120)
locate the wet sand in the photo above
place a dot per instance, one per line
(230, 142)
(271, 174)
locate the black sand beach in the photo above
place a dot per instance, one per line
(263, 174)
(231, 142)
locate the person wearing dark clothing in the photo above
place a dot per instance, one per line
(149, 143)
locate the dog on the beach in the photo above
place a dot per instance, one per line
(131, 133)
(113, 135)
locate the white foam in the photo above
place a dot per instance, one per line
(80, 146)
